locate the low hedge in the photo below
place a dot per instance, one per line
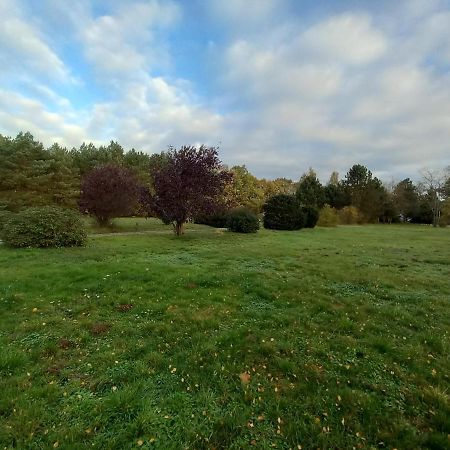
(46, 226)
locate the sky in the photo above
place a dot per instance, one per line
(277, 85)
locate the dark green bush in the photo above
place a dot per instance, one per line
(217, 220)
(47, 226)
(243, 221)
(283, 212)
(311, 216)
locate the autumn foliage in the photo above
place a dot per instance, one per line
(109, 191)
(190, 183)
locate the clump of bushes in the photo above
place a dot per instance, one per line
(311, 216)
(216, 220)
(242, 221)
(328, 217)
(46, 226)
(283, 212)
(350, 215)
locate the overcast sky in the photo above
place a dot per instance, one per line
(278, 85)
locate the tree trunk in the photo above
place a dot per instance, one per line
(103, 222)
(179, 228)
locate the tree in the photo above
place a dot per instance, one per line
(188, 184)
(310, 191)
(30, 175)
(433, 187)
(109, 191)
(406, 199)
(445, 213)
(335, 193)
(334, 179)
(245, 190)
(446, 191)
(88, 156)
(366, 192)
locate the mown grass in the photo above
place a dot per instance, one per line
(133, 225)
(124, 225)
(324, 338)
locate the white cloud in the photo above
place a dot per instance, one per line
(343, 91)
(18, 112)
(279, 72)
(325, 91)
(347, 39)
(152, 114)
(125, 42)
(23, 48)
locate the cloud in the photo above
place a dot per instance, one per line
(278, 89)
(18, 112)
(152, 114)
(123, 46)
(246, 13)
(346, 39)
(336, 93)
(23, 48)
(125, 41)
(279, 72)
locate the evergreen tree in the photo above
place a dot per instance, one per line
(310, 191)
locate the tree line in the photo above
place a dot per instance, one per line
(32, 175)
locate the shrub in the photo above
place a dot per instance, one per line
(47, 226)
(350, 215)
(327, 217)
(283, 212)
(4, 217)
(242, 221)
(217, 220)
(311, 216)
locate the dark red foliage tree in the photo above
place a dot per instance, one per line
(188, 184)
(109, 191)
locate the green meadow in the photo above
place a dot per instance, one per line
(323, 338)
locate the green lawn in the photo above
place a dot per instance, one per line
(324, 338)
(126, 225)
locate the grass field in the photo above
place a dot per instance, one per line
(129, 225)
(324, 338)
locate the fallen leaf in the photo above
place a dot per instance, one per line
(245, 377)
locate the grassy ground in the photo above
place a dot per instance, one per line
(324, 338)
(125, 225)
(133, 225)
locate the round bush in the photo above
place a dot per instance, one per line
(283, 212)
(242, 221)
(48, 226)
(311, 216)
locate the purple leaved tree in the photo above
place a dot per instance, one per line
(190, 182)
(107, 192)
